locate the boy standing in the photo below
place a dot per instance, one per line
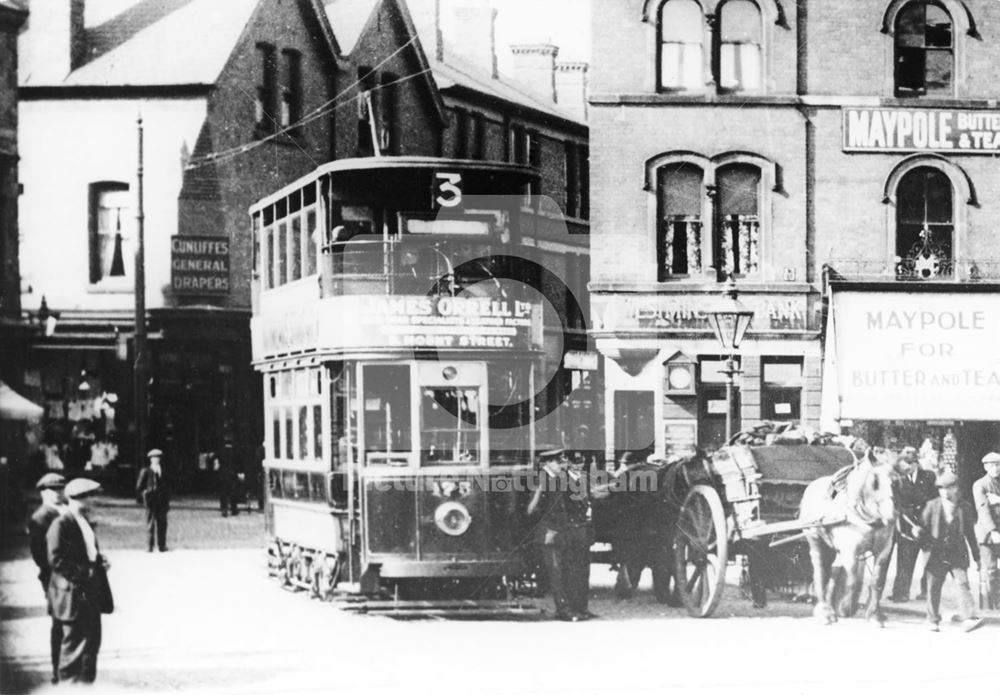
(948, 523)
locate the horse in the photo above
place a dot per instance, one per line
(863, 520)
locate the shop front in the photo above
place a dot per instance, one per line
(916, 368)
(665, 379)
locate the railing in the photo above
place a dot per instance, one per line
(377, 267)
(919, 269)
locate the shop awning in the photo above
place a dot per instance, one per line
(14, 406)
(911, 355)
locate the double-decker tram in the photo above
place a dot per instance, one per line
(398, 332)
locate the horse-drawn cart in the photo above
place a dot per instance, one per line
(702, 512)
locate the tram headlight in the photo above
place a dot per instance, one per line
(452, 518)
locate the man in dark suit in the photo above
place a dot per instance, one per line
(151, 489)
(72, 593)
(50, 487)
(915, 488)
(986, 496)
(564, 533)
(948, 525)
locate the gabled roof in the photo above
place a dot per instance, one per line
(159, 43)
(454, 71)
(348, 19)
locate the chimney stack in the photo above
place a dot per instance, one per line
(571, 88)
(53, 44)
(535, 68)
(475, 38)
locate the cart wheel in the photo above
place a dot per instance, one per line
(701, 551)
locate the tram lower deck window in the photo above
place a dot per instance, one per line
(451, 429)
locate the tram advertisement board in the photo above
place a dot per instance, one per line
(199, 265)
(419, 321)
(916, 356)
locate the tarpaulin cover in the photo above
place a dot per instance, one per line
(799, 462)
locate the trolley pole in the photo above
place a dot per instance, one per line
(139, 365)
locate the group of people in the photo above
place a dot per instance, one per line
(73, 574)
(933, 520)
(71, 569)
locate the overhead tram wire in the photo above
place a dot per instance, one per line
(323, 109)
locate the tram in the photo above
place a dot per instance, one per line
(398, 332)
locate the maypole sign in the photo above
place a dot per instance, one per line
(926, 356)
(921, 130)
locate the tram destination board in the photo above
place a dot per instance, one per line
(199, 265)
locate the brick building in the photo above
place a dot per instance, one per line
(835, 159)
(213, 109)
(13, 332)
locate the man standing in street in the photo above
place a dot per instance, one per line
(50, 488)
(73, 595)
(153, 493)
(986, 496)
(916, 489)
(564, 533)
(948, 523)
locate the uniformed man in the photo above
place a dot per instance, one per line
(562, 507)
(986, 496)
(50, 487)
(151, 488)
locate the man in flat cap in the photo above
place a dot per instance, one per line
(73, 596)
(562, 507)
(950, 538)
(50, 487)
(915, 488)
(986, 497)
(153, 493)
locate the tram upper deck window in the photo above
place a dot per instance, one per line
(451, 429)
(288, 239)
(386, 401)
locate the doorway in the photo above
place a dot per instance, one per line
(634, 425)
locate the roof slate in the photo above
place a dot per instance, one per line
(160, 43)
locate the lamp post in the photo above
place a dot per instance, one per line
(730, 319)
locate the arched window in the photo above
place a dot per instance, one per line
(924, 52)
(682, 57)
(740, 34)
(737, 245)
(679, 219)
(925, 224)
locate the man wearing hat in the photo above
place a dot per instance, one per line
(562, 508)
(915, 488)
(74, 602)
(948, 524)
(152, 492)
(986, 496)
(50, 488)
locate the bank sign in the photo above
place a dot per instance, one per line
(921, 130)
(199, 265)
(927, 356)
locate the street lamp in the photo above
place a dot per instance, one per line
(730, 319)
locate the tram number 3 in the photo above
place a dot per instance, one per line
(447, 189)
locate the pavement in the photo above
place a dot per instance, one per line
(205, 618)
